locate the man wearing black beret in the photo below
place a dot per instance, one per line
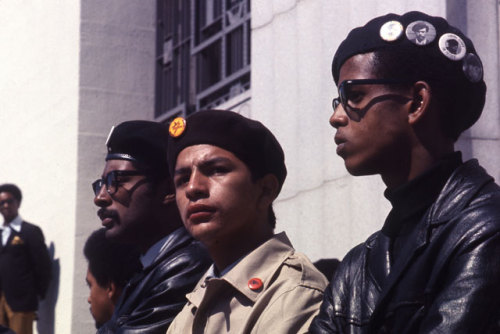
(433, 267)
(137, 207)
(227, 171)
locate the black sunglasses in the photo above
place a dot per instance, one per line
(111, 180)
(356, 114)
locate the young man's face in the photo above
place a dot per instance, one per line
(215, 194)
(101, 303)
(129, 213)
(379, 142)
(421, 34)
(9, 206)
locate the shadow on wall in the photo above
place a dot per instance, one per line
(46, 309)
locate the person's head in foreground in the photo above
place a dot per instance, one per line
(433, 267)
(110, 266)
(227, 171)
(135, 193)
(399, 101)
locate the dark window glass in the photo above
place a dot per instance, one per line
(203, 54)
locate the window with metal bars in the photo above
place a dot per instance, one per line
(203, 54)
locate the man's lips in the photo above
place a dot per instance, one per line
(107, 217)
(340, 141)
(199, 212)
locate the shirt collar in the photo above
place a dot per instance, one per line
(262, 263)
(16, 223)
(214, 273)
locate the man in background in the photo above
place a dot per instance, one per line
(110, 267)
(25, 266)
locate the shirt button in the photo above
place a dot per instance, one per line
(255, 284)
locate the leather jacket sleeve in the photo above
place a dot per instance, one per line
(337, 293)
(461, 295)
(156, 296)
(324, 322)
(470, 298)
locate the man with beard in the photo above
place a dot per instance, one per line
(137, 207)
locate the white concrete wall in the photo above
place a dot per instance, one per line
(483, 140)
(325, 210)
(38, 130)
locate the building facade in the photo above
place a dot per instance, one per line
(72, 69)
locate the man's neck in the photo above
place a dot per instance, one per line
(7, 221)
(420, 161)
(228, 251)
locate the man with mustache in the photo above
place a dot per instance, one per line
(434, 266)
(137, 207)
(227, 172)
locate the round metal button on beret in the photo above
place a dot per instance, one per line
(473, 68)
(452, 46)
(420, 32)
(255, 284)
(391, 31)
(177, 127)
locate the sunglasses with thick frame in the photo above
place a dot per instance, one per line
(356, 114)
(111, 180)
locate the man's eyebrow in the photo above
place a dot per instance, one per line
(183, 170)
(202, 164)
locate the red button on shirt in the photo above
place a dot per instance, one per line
(255, 284)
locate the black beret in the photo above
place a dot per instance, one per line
(249, 140)
(140, 141)
(395, 32)
(449, 57)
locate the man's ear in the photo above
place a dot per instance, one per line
(421, 102)
(113, 292)
(269, 185)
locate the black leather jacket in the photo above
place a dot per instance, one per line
(446, 279)
(152, 298)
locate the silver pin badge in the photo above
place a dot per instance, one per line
(472, 67)
(452, 46)
(420, 32)
(391, 31)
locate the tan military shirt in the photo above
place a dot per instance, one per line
(289, 297)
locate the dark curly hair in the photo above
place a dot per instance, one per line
(12, 189)
(109, 261)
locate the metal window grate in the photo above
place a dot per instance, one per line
(203, 54)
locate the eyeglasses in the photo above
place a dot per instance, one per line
(9, 201)
(111, 180)
(356, 114)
